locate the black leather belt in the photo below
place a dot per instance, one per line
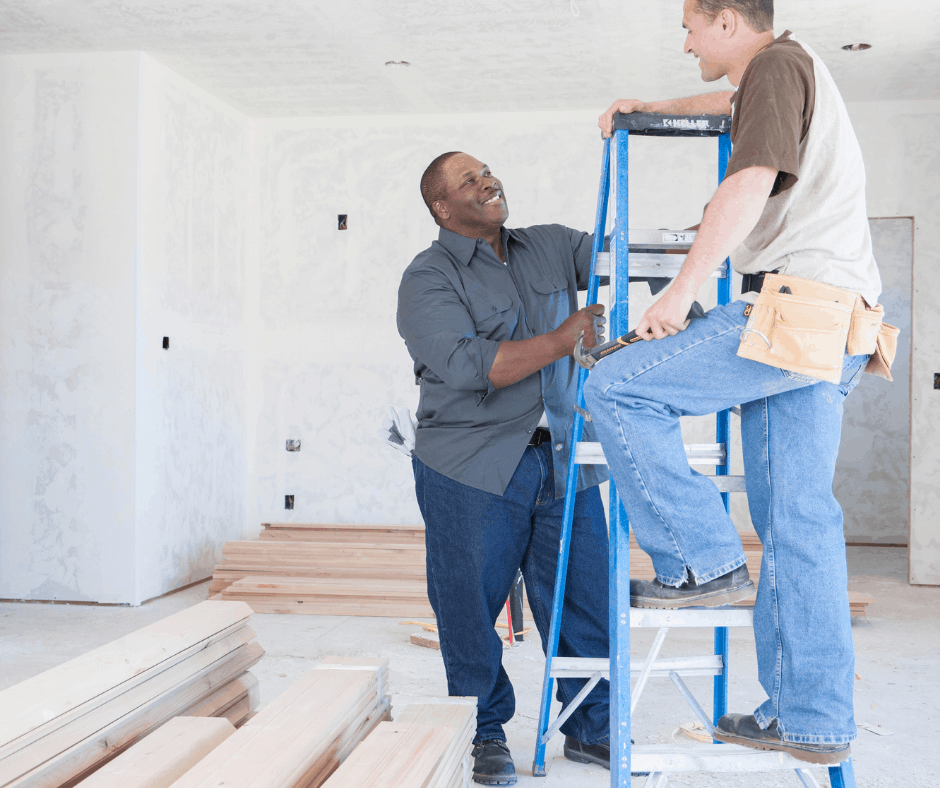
(540, 436)
(752, 283)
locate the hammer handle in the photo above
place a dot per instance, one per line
(600, 351)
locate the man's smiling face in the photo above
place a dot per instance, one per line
(475, 204)
(704, 40)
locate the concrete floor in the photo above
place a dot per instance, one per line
(898, 653)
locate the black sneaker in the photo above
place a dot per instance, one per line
(743, 729)
(492, 763)
(732, 587)
(579, 752)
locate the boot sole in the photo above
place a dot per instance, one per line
(493, 780)
(714, 599)
(808, 756)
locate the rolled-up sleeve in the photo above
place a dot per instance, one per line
(440, 332)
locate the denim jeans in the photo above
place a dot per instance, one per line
(790, 429)
(475, 543)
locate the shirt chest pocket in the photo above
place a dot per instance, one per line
(552, 297)
(492, 315)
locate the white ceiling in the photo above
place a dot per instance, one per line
(326, 57)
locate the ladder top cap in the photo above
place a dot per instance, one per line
(654, 125)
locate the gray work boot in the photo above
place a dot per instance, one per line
(743, 729)
(724, 590)
(492, 763)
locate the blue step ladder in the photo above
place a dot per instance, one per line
(640, 254)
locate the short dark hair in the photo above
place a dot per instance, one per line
(433, 186)
(759, 14)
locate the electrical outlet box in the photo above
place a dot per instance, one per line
(293, 444)
(288, 501)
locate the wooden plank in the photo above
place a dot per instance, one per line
(296, 736)
(217, 702)
(409, 610)
(163, 756)
(33, 755)
(75, 685)
(67, 768)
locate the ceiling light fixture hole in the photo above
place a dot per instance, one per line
(856, 47)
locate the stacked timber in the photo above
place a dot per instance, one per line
(58, 727)
(641, 567)
(428, 746)
(302, 736)
(353, 570)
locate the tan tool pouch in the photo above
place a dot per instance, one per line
(804, 330)
(886, 347)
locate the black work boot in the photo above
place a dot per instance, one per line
(492, 763)
(732, 587)
(743, 729)
(579, 752)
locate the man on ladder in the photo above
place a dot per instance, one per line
(793, 203)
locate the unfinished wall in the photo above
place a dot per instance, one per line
(191, 399)
(328, 357)
(68, 137)
(899, 140)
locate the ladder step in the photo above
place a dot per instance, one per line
(661, 239)
(710, 758)
(591, 453)
(573, 667)
(688, 617)
(644, 264)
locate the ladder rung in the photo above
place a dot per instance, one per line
(573, 667)
(661, 239)
(588, 453)
(709, 758)
(688, 617)
(649, 264)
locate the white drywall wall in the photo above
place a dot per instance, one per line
(901, 144)
(68, 138)
(280, 325)
(328, 357)
(191, 399)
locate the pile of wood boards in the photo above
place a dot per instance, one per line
(353, 570)
(302, 736)
(641, 567)
(427, 746)
(59, 726)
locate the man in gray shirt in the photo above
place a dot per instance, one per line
(490, 317)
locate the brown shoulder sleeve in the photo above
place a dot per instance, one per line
(773, 109)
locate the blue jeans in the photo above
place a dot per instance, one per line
(790, 428)
(475, 543)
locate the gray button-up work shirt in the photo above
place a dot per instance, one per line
(457, 302)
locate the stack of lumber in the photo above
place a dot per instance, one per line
(641, 567)
(301, 737)
(353, 570)
(165, 755)
(428, 746)
(58, 727)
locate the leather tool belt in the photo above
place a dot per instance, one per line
(807, 327)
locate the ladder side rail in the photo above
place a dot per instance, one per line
(723, 436)
(619, 580)
(561, 570)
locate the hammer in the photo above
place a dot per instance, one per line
(588, 358)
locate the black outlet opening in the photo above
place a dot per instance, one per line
(341, 221)
(166, 343)
(288, 501)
